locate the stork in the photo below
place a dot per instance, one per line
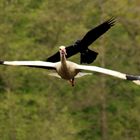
(68, 70)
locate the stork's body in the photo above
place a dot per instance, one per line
(66, 70)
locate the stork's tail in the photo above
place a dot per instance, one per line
(81, 74)
(54, 74)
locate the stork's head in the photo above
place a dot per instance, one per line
(62, 50)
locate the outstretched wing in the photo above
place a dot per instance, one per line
(82, 45)
(135, 79)
(96, 32)
(37, 64)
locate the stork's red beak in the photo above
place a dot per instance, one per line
(63, 50)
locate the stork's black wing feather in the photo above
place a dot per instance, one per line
(82, 45)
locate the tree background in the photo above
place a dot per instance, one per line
(36, 106)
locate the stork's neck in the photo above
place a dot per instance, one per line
(63, 60)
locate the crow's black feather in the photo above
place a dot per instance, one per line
(81, 46)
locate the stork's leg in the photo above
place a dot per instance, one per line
(72, 81)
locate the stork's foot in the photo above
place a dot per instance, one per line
(72, 82)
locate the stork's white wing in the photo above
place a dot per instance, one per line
(135, 79)
(30, 63)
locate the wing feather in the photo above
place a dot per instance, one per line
(135, 79)
(39, 64)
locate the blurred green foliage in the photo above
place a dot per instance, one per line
(36, 106)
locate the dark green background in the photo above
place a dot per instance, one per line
(35, 106)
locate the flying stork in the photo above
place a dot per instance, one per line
(69, 70)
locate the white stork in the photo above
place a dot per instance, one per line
(69, 70)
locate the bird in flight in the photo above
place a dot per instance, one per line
(68, 70)
(81, 46)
